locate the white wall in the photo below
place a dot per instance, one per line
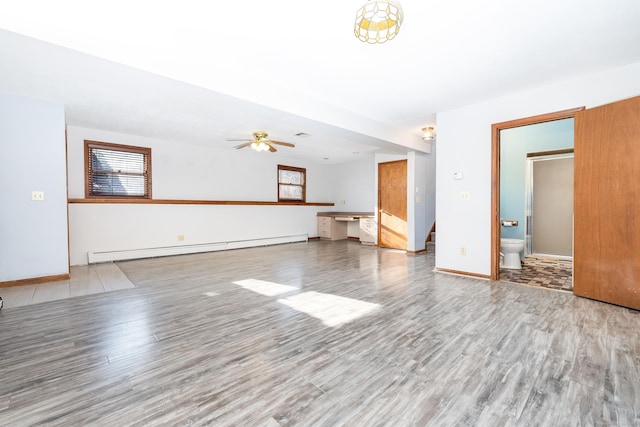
(430, 187)
(424, 181)
(33, 234)
(416, 202)
(354, 189)
(464, 144)
(354, 185)
(187, 171)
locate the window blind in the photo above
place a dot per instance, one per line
(118, 172)
(291, 183)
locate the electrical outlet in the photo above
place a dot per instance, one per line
(37, 195)
(180, 237)
(463, 250)
(464, 195)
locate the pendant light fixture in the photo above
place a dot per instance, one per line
(378, 21)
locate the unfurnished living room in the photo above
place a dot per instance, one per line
(345, 213)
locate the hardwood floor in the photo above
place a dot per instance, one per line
(317, 334)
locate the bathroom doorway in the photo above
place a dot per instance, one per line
(549, 204)
(501, 182)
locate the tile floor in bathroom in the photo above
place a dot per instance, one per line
(546, 272)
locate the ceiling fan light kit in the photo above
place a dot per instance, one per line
(259, 146)
(261, 142)
(378, 21)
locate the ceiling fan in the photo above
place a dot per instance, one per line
(261, 142)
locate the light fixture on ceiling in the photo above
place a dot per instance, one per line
(259, 146)
(378, 21)
(429, 133)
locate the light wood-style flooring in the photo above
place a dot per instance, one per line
(317, 334)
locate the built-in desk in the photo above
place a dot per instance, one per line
(334, 225)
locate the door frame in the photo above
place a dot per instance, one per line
(495, 174)
(379, 202)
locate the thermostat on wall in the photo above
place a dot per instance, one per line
(457, 175)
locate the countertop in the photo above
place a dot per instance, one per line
(347, 214)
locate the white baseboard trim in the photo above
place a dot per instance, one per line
(127, 254)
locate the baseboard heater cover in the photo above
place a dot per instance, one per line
(122, 255)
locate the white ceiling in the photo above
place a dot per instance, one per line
(203, 72)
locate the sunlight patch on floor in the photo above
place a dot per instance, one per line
(332, 310)
(263, 287)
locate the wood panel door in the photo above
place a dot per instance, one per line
(607, 203)
(392, 204)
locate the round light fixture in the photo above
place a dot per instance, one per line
(429, 133)
(378, 21)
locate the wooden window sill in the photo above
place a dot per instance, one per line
(113, 200)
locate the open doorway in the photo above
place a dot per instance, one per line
(497, 215)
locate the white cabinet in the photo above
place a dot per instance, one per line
(368, 231)
(335, 226)
(330, 229)
(324, 227)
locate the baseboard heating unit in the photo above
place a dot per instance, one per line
(126, 254)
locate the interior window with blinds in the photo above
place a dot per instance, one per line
(114, 170)
(291, 184)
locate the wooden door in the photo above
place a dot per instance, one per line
(392, 204)
(607, 203)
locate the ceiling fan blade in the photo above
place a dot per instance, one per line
(238, 140)
(243, 145)
(272, 148)
(286, 144)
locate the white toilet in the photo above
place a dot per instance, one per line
(511, 249)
